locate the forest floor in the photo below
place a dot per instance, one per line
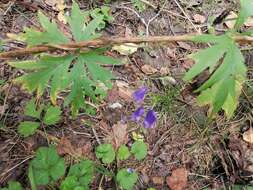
(212, 153)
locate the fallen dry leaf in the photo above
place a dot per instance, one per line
(178, 179)
(119, 134)
(231, 20)
(164, 71)
(65, 147)
(200, 19)
(148, 69)
(158, 180)
(248, 136)
(184, 45)
(126, 49)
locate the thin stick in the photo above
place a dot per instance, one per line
(109, 41)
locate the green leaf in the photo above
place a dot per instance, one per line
(31, 110)
(246, 11)
(104, 13)
(226, 63)
(123, 153)
(13, 185)
(84, 171)
(47, 68)
(106, 153)
(126, 179)
(28, 128)
(50, 35)
(71, 183)
(139, 5)
(139, 149)
(52, 116)
(76, 21)
(47, 166)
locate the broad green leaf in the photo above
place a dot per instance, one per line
(28, 128)
(52, 116)
(71, 183)
(31, 110)
(54, 69)
(50, 35)
(47, 166)
(223, 88)
(13, 185)
(76, 21)
(126, 178)
(84, 171)
(245, 12)
(106, 153)
(139, 149)
(214, 54)
(123, 153)
(104, 13)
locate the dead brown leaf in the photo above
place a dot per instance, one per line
(148, 69)
(119, 134)
(158, 180)
(178, 179)
(231, 19)
(248, 136)
(200, 19)
(65, 147)
(184, 45)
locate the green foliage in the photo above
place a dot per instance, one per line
(50, 35)
(47, 167)
(13, 185)
(225, 63)
(123, 153)
(51, 117)
(246, 11)
(139, 5)
(27, 128)
(222, 89)
(104, 13)
(139, 149)
(106, 153)
(79, 177)
(82, 72)
(126, 178)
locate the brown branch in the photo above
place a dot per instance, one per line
(107, 41)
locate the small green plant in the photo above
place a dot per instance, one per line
(126, 178)
(51, 117)
(106, 153)
(46, 168)
(139, 5)
(13, 185)
(82, 72)
(79, 176)
(225, 62)
(103, 12)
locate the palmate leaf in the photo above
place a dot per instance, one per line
(50, 35)
(82, 73)
(222, 89)
(81, 30)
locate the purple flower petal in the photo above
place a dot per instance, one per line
(139, 94)
(130, 170)
(136, 116)
(150, 119)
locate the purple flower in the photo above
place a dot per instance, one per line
(150, 119)
(139, 94)
(136, 116)
(130, 170)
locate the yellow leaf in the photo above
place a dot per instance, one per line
(248, 136)
(126, 49)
